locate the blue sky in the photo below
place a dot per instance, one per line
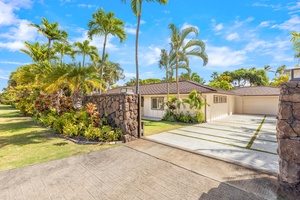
(237, 33)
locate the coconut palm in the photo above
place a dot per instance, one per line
(104, 24)
(84, 48)
(63, 49)
(267, 68)
(166, 62)
(136, 6)
(182, 50)
(112, 73)
(51, 32)
(36, 51)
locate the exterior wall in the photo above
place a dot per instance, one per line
(147, 111)
(219, 110)
(288, 137)
(121, 111)
(267, 105)
(238, 105)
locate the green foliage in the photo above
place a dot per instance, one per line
(224, 85)
(93, 133)
(195, 100)
(184, 117)
(280, 79)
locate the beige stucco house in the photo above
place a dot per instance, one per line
(220, 103)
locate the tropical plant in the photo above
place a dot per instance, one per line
(51, 32)
(280, 70)
(167, 63)
(63, 49)
(36, 51)
(106, 24)
(183, 49)
(85, 49)
(136, 6)
(195, 100)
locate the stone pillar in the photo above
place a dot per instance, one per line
(288, 137)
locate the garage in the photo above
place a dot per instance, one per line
(257, 100)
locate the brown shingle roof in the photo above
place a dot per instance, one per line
(257, 91)
(185, 87)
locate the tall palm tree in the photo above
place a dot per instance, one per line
(280, 70)
(84, 48)
(112, 73)
(106, 24)
(51, 32)
(182, 50)
(167, 63)
(268, 68)
(36, 51)
(136, 6)
(63, 49)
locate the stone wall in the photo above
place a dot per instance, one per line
(121, 111)
(288, 137)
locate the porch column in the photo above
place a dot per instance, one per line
(288, 138)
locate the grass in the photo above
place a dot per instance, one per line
(153, 127)
(23, 142)
(255, 134)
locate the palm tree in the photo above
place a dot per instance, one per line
(167, 63)
(63, 49)
(112, 73)
(36, 51)
(136, 6)
(182, 50)
(106, 24)
(77, 77)
(280, 70)
(267, 68)
(85, 49)
(215, 76)
(51, 32)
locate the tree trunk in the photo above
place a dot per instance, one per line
(177, 63)
(49, 45)
(167, 79)
(102, 62)
(136, 47)
(83, 59)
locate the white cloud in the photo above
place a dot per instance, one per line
(17, 4)
(12, 46)
(294, 7)
(129, 75)
(7, 16)
(275, 7)
(293, 24)
(218, 27)
(130, 30)
(264, 24)
(149, 55)
(13, 63)
(87, 6)
(233, 36)
(4, 75)
(186, 25)
(142, 22)
(241, 23)
(224, 56)
(166, 11)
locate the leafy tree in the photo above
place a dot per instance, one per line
(63, 49)
(280, 79)
(105, 24)
(280, 70)
(84, 48)
(149, 81)
(221, 84)
(182, 50)
(36, 51)
(51, 32)
(196, 78)
(296, 44)
(136, 6)
(214, 76)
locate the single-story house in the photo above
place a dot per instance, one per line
(220, 103)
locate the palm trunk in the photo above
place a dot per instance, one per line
(49, 45)
(167, 79)
(177, 87)
(136, 47)
(102, 62)
(83, 59)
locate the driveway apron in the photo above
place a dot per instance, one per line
(249, 140)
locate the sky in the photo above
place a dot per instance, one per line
(237, 34)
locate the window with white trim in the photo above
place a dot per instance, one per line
(157, 103)
(220, 99)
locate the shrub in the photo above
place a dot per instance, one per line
(93, 133)
(70, 129)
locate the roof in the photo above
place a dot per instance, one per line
(257, 91)
(185, 87)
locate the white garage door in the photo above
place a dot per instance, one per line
(260, 105)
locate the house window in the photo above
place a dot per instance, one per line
(220, 99)
(157, 103)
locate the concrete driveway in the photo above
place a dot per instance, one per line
(244, 139)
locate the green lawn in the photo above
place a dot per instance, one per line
(23, 142)
(153, 127)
